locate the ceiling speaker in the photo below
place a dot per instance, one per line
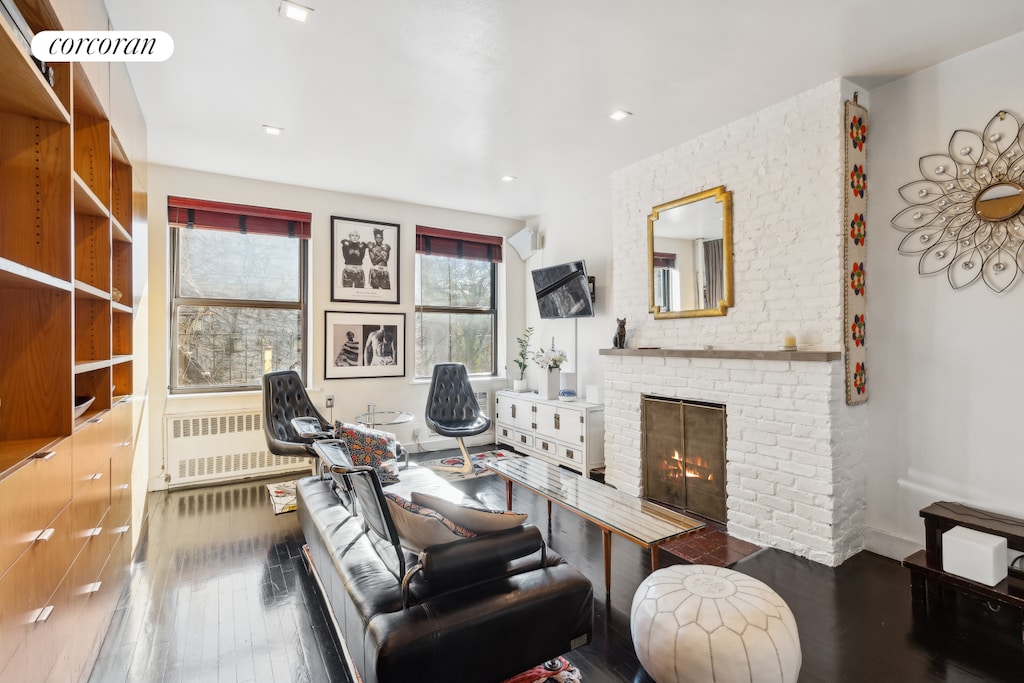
(525, 242)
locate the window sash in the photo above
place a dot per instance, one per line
(178, 302)
(491, 311)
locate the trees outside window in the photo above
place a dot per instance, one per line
(456, 315)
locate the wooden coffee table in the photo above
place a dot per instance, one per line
(614, 512)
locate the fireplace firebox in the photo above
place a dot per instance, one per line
(683, 455)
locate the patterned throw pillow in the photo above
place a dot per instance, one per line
(419, 527)
(480, 520)
(370, 447)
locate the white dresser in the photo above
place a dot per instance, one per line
(560, 432)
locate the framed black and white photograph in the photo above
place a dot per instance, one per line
(364, 261)
(364, 345)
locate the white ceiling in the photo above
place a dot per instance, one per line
(432, 101)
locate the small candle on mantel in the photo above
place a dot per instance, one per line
(789, 341)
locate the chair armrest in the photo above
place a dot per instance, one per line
(310, 428)
(335, 456)
(481, 558)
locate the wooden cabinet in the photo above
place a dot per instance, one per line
(930, 583)
(570, 434)
(67, 207)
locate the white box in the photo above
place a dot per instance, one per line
(974, 555)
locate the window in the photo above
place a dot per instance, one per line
(238, 306)
(664, 269)
(456, 317)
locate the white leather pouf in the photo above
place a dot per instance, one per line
(697, 624)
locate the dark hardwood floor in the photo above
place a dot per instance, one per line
(218, 592)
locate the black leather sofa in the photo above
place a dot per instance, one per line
(475, 611)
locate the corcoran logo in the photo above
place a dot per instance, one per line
(102, 46)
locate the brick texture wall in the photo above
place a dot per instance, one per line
(795, 463)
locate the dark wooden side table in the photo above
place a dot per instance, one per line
(928, 578)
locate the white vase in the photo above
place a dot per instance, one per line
(519, 385)
(548, 387)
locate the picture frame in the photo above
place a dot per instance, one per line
(361, 344)
(365, 263)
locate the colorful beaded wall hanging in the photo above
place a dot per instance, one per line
(855, 136)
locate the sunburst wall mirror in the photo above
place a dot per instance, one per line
(966, 216)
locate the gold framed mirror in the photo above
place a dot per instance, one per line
(689, 244)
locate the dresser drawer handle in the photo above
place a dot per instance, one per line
(569, 454)
(558, 421)
(46, 534)
(94, 421)
(97, 476)
(122, 529)
(124, 487)
(95, 531)
(43, 614)
(46, 455)
(544, 445)
(522, 438)
(92, 587)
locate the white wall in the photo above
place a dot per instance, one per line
(351, 396)
(945, 367)
(577, 231)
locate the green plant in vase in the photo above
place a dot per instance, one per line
(522, 359)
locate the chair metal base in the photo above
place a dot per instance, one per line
(467, 463)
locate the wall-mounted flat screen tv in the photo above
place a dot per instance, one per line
(563, 291)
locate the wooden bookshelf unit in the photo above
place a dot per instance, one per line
(67, 207)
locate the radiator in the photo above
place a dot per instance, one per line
(218, 447)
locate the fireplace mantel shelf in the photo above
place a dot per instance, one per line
(743, 354)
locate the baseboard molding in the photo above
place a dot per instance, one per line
(445, 443)
(889, 545)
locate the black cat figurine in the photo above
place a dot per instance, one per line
(619, 340)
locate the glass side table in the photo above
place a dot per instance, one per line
(374, 418)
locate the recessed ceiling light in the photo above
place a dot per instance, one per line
(272, 130)
(292, 10)
(619, 114)
(509, 178)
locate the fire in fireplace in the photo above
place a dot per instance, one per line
(683, 455)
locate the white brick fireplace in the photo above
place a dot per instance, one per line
(795, 475)
(793, 481)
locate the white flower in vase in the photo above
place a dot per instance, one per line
(549, 359)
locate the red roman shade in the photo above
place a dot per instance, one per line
(664, 259)
(466, 245)
(184, 212)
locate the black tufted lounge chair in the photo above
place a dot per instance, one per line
(291, 422)
(452, 408)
